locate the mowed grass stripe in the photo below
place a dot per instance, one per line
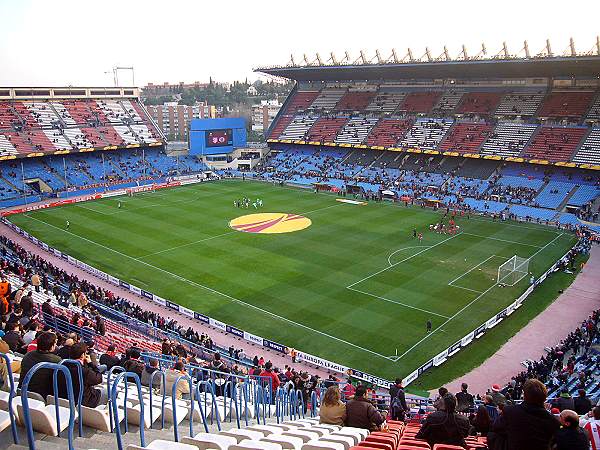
(301, 276)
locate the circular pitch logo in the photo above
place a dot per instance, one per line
(270, 223)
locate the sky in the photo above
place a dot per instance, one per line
(64, 42)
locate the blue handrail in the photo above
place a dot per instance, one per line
(113, 395)
(80, 395)
(163, 389)
(313, 404)
(56, 368)
(11, 395)
(108, 378)
(208, 387)
(174, 403)
(202, 411)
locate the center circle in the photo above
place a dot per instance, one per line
(270, 223)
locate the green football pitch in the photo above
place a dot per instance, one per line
(354, 287)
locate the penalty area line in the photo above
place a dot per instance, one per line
(214, 291)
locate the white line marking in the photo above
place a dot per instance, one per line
(398, 303)
(404, 248)
(465, 288)
(468, 305)
(214, 291)
(400, 262)
(471, 269)
(501, 240)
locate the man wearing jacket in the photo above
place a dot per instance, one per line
(360, 413)
(41, 382)
(528, 425)
(94, 393)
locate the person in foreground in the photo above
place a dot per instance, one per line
(360, 413)
(445, 426)
(570, 436)
(526, 426)
(333, 411)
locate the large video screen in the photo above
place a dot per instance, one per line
(219, 138)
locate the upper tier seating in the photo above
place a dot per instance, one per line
(6, 147)
(43, 113)
(426, 133)
(325, 129)
(479, 103)
(520, 104)
(356, 130)
(589, 152)
(566, 104)
(594, 112)
(280, 126)
(466, 137)
(8, 117)
(113, 111)
(420, 102)
(387, 132)
(448, 101)
(298, 127)
(327, 99)
(355, 101)
(555, 143)
(508, 139)
(301, 101)
(386, 102)
(84, 112)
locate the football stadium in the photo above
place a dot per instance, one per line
(405, 258)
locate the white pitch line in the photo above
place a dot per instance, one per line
(404, 248)
(214, 291)
(398, 303)
(471, 269)
(465, 288)
(468, 305)
(400, 262)
(501, 240)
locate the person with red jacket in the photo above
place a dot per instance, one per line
(275, 382)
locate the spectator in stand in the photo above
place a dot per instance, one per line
(150, 368)
(360, 412)
(591, 426)
(100, 326)
(491, 407)
(32, 328)
(349, 390)
(565, 401)
(13, 338)
(183, 387)
(398, 406)
(94, 393)
(527, 425)
(109, 359)
(26, 304)
(41, 381)
(133, 363)
(65, 351)
(332, 411)
(439, 403)
(445, 426)
(570, 436)
(36, 281)
(464, 401)
(481, 422)
(582, 404)
(275, 382)
(497, 396)
(47, 308)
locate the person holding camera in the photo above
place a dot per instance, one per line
(94, 393)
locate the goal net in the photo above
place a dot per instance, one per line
(513, 270)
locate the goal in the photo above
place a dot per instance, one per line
(513, 271)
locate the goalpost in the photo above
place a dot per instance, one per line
(513, 271)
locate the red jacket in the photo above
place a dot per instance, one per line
(274, 377)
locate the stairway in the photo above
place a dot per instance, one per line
(117, 169)
(54, 172)
(567, 198)
(13, 186)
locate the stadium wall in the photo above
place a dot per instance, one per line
(436, 361)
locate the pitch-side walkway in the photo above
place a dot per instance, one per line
(550, 327)
(221, 338)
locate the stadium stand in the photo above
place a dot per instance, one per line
(555, 143)
(589, 151)
(327, 99)
(520, 104)
(483, 103)
(466, 137)
(301, 101)
(594, 113)
(298, 127)
(509, 139)
(325, 129)
(355, 101)
(356, 130)
(387, 132)
(385, 102)
(426, 133)
(448, 101)
(419, 102)
(566, 104)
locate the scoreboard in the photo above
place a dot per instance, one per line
(216, 136)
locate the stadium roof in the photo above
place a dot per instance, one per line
(587, 66)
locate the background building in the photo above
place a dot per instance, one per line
(174, 119)
(264, 114)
